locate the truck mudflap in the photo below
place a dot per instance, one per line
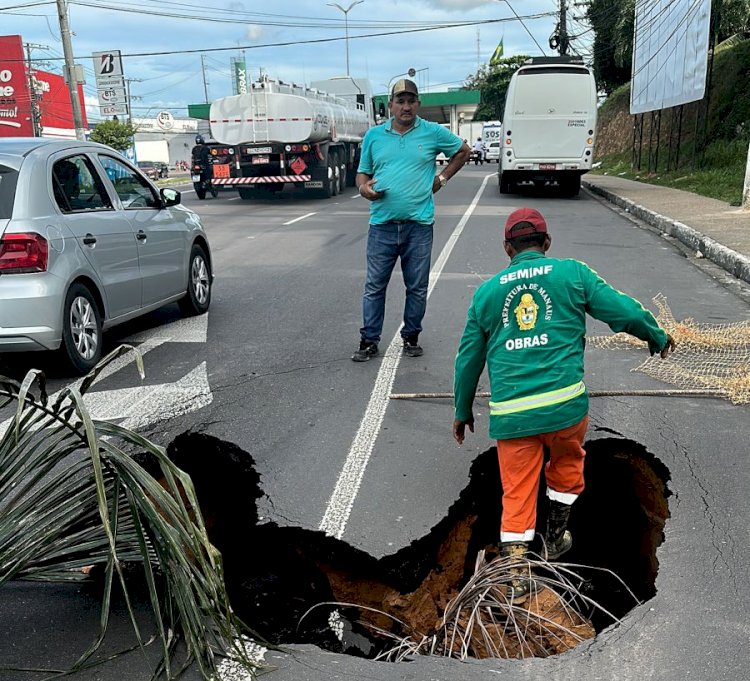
(274, 179)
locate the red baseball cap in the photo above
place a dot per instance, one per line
(536, 223)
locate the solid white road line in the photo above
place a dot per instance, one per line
(301, 217)
(347, 487)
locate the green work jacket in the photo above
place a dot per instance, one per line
(528, 324)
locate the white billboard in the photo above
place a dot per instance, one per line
(670, 53)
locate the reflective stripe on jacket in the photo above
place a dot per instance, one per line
(528, 324)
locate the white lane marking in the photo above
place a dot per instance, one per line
(301, 217)
(146, 404)
(155, 402)
(347, 487)
(356, 196)
(181, 330)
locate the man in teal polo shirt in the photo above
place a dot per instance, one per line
(397, 175)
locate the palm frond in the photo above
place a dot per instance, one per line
(73, 496)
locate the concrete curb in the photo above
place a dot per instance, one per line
(735, 263)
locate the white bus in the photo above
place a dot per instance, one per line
(549, 124)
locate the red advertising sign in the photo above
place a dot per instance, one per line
(53, 101)
(15, 102)
(51, 96)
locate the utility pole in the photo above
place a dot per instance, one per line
(33, 95)
(205, 82)
(128, 98)
(70, 71)
(563, 32)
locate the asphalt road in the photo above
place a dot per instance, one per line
(271, 372)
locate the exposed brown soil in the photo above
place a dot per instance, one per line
(278, 576)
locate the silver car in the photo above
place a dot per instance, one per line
(87, 242)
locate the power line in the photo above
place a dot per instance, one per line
(326, 40)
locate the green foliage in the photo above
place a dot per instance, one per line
(493, 80)
(115, 134)
(734, 17)
(74, 498)
(720, 174)
(729, 114)
(612, 21)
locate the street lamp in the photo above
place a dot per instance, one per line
(346, 24)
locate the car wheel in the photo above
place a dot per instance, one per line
(82, 329)
(198, 295)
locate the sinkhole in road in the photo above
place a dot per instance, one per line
(275, 574)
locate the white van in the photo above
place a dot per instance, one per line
(549, 124)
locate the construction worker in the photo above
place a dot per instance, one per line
(528, 324)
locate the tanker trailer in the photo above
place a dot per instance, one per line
(287, 134)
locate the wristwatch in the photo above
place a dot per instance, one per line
(443, 180)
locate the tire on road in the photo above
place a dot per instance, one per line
(82, 329)
(197, 298)
(200, 191)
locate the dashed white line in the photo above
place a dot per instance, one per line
(301, 217)
(347, 487)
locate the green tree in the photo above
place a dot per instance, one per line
(492, 81)
(115, 134)
(612, 21)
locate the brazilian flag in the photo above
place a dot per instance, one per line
(497, 54)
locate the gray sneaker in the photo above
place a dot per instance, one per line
(412, 347)
(366, 350)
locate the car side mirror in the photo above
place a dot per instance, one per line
(169, 197)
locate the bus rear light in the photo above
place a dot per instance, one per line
(590, 140)
(508, 141)
(23, 253)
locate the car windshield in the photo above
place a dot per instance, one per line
(8, 179)
(145, 164)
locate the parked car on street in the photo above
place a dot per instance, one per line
(87, 242)
(154, 170)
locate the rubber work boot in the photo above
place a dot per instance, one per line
(558, 539)
(520, 584)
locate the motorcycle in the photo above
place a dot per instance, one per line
(201, 177)
(477, 156)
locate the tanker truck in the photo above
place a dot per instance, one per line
(281, 134)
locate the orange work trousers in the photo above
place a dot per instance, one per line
(521, 461)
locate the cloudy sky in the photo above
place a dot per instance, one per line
(162, 41)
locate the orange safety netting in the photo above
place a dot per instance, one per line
(708, 356)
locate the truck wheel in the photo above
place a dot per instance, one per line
(329, 183)
(200, 191)
(342, 174)
(246, 194)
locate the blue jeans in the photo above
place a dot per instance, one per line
(412, 242)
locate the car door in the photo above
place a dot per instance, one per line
(161, 233)
(104, 234)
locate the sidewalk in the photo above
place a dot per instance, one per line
(720, 232)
